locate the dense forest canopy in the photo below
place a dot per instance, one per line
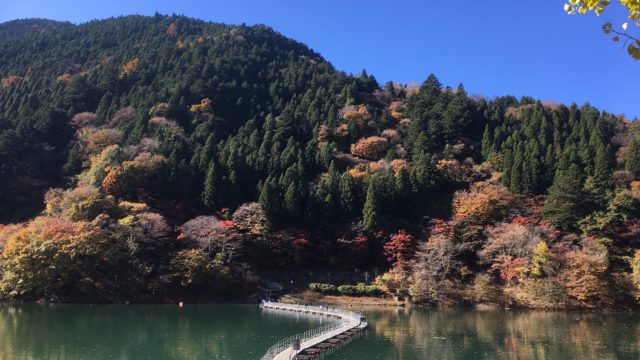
(144, 156)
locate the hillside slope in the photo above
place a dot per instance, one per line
(165, 155)
(12, 30)
(102, 66)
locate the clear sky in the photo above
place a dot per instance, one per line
(493, 47)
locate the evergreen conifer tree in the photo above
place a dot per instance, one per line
(371, 210)
(347, 196)
(487, 144)
(210, 187)
(632, 158)
(271, 204)
(564, 205)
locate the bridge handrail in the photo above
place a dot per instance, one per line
(315, 308)
(283, 344)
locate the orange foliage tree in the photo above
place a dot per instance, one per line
(370, 148)
(205, 106)
(129, 67)
(64, 77)
(172, 28)
(98, 139)
(323, 133)
(56, 258)
(585, 274)
(133, 175)
(512, 240)
(397, 164)
(484, 202)
(7, 231)
(250, 219)
(81, 203)
(353, 111)
(10, 80)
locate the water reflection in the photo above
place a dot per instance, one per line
(74, 332)
(464, 334)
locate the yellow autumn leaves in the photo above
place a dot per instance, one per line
(598, 6)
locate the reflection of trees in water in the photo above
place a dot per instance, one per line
(141, 332)
(158, 332)
(466, 334)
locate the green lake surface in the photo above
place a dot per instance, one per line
(244, 332)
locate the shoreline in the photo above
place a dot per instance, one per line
(313, 298)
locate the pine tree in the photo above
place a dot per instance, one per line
(271, 204)
(423, 179)
(402, 191)
(174, 170)
(207, 152)
(565, 203)
(487, 144)
(371, 210)
(332, 178)
(632, 158)
(209, 198)
(431, 87)
(347, 196)
(293, 201)
(422, 173)
(457, 116)
(74, 159)
(531, 168)
(390, 90)
(549, 167)
(603, 169)
(516, 183)
(507, 165)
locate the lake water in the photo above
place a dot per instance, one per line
(244, 332)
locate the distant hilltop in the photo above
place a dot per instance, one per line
(22, 27)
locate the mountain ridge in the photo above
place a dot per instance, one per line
(143, 158)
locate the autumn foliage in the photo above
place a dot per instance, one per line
(360, 112)
(215, 237)
(64, 77)
(369, 148)
(53, 257)
(400, 247)
(205, 106)
(200, 154)
(172, 28)
(10, 80)
(84, 119)
(134, 175)
(485, 202)
(585, 276)
(129, 67)
(249, 218)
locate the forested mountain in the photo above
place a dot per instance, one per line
(142, 157)
(18, 28)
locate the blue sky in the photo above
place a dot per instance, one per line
(492, 47)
